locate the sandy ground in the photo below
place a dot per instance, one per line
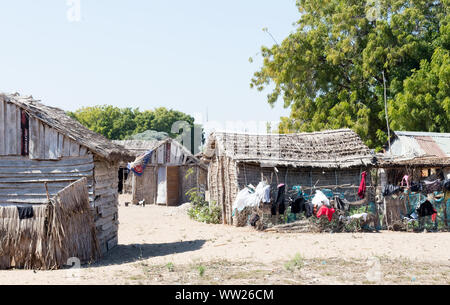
(161, 245)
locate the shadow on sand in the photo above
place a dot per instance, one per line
(122, 254)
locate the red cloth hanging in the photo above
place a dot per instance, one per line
(433, 217)
(325, 211)
(362, 186)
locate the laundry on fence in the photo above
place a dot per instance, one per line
(250, 197)
(320, 199)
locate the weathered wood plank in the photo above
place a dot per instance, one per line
(19, 131)
(66, 147)
(11, 132)
(49, 170)
(74, 149)
(24, 199)
(51, 143)
(83, 151)
(2, 126)
(25, 162)
(41, 142)
(39, 179)
(34, 138)
(60, 145)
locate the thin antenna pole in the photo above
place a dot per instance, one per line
(386, 111)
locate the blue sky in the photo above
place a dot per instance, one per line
(185, 55)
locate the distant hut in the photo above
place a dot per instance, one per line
(420, 154)
(331, 159)
(170, 173)
(415, 158)
(41, 144)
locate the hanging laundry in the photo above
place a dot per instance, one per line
(390, 189)
(266, 197)
(327, 192)
(138, 166)
(298, 189)
(341, 204)
(433, 186)
(281, 198)
(326, 211)
(362, 186)
(25, 212)
(309, 209)
(359, 216)
(253, 219)
(320, 199)
(446, 184)
(433, 217)
(426, 209)
(416, 187)
(405, 179)
(249, 197)
(298, 205)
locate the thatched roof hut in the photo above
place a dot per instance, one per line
(41, 145)
(341, 148)
(171, 172)
(333, 159)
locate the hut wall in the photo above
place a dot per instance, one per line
(145, 186)
(22, 180)
(191, 176)
(348, 180)
(223, 185)
(41, 141)
(226, 178)
(106, 203)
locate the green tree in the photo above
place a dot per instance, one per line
(120, 123)
(329, 71)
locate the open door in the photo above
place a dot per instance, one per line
(173, 189)
(161, 197)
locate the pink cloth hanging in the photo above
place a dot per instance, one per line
(362, 186)
(405, 178)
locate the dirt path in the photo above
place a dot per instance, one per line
(160, 245)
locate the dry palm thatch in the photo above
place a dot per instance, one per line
(341, 148)
(59, 230)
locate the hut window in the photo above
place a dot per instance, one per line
(25, 131)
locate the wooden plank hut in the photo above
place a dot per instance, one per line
(171, 172)
(41, 144)
(331, 159)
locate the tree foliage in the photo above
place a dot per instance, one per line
(120, 123)
(329, 72)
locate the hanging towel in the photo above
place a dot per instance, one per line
(326, 211)
(362, 186)
(25, 212)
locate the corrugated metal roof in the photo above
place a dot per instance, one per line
(417, 144)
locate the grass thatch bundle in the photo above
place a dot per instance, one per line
(59, 230)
